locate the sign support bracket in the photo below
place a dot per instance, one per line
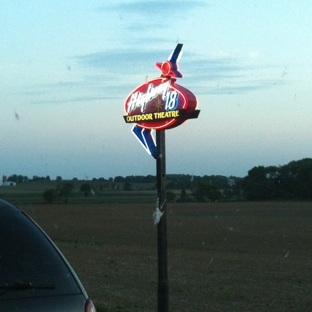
(163, 287)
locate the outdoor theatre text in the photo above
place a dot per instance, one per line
(153, 116)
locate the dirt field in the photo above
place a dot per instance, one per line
(222, 256)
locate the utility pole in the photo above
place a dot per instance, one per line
(163, 287)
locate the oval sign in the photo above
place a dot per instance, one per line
(160, 104)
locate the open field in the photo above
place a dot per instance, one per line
(222, 256)
(32, 192)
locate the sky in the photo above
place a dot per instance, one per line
(67, 66)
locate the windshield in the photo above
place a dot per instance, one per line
(29, 264)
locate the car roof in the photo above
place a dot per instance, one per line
(28, 255)
(7, 207)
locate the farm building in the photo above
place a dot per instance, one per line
(5, 183)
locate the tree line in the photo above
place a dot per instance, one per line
(287, 182)
(292, 181)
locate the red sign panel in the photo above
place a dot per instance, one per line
(160, 104)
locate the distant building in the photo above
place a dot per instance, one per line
(8, 184)
(5, 183)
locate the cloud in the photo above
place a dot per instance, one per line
(83, 99)
(227, 74)
(91, 89)
(248, 87)
(122, 62)
(147, 9)
(233, 71)
(213, 68)
(237, 87)
(112, 74)
(142, 16)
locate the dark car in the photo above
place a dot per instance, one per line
(34, 275)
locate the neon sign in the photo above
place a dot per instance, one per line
(161, 103)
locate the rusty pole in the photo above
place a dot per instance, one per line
(163, 288)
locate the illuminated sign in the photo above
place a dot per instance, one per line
(160, 104)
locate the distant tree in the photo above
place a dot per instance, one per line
(296, 178)
(206, 192)
(290, 181)
(304, 175)
(86, 189)
(257, 184)
(49, 196)
(234, 192)
(150, 179)
(119, 179)
(183, 195)
(58, 178)
(171, 185)
(64, 190)
(37, 178)
(12, 178)
(20, 179)
(170, 196)
(127, 186)
(17, 178)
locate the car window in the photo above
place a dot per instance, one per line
(27, 256)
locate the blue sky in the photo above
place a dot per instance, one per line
(67, 66)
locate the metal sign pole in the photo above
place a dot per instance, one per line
(163, 289)
(160, 104)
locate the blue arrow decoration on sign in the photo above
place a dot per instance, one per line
(147, 140)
